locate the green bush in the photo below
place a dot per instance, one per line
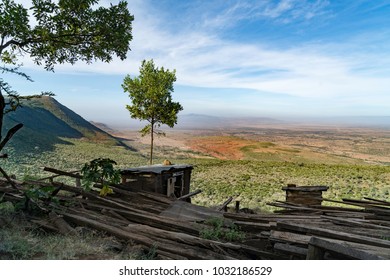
(215, 230)
(100, 170)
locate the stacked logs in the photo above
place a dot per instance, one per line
(358, 230)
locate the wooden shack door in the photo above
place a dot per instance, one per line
(171, 186)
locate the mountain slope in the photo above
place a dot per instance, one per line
(46, 122)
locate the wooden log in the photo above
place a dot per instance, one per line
(141, 204)
(378, 222)
(333, 234)
(343, 210)
(294, 207)
(184, 197)
(9, 179)
(225, 204)
(62, 226)
(368, 203)
(237, 208)
(14, 198)
(345, 248)
(64, 173)
(179, 237)
(169, 256)
(5, 181)
(383, 202)
(186, 212)
(78, 182)
(100, 216)
(305, 188)
(45, 225)
(125, 194)
(143, 217)
(95, 205)
(224, 248)
(354, 222)
(156, 197)
(289, 237)
(379, 211)
(257, 254)
(161, 223)
(55, 192)
(52, 177)
(265, 218)
(168, 234)
(94, 196)
(8, 189)
(189, 252)
(114, 214)
(361, 205)
(252, 227)
(291, 250)
(321, 209)
(315, 253)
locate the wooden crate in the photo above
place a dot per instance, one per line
(305, 195)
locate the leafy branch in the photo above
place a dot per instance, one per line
(102, 171)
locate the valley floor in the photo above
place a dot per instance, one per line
(344, 145)
(249, 164)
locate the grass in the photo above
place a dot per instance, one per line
(257, 183)
(254, 182)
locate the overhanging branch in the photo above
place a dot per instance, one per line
(12, 183)
(9, 135)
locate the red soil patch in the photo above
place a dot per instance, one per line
(221, 147)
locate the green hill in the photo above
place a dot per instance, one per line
(46, 123)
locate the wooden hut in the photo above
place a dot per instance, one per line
(164, 179)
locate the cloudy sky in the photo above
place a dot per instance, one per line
(242, 58)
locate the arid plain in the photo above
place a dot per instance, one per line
(280, 142)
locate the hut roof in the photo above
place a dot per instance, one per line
(157, 168)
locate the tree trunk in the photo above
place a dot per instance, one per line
(2, 106)
(151, 143)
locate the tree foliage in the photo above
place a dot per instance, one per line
(151, 98)
(101, 170)
(64, 31)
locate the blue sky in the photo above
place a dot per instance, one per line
(271, 58)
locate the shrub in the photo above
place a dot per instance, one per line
(215, 230)
(100, 170)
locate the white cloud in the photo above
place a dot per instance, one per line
(279, 9)
(202, 59)
(282, 11)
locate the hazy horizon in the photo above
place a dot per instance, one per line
(193, 120)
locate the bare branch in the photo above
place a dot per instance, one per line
(12, 183)
(9, 135)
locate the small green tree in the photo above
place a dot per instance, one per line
(151, 98)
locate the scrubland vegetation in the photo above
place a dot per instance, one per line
(253, 182)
